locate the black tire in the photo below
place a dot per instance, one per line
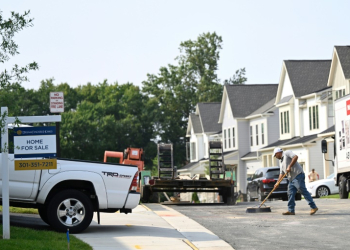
(249, 196)
(42, 210)
(261, 197)
(322, 191)
(70, 209)
(285, 198)
(343, 194)
(297, 197)
(145, 194)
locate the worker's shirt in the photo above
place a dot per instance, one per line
(313, 176)
(286, 159)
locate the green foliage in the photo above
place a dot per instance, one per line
(8, 29)
(195, 198)
(237, 78)
(25, 238)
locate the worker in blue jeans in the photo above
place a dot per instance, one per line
(296, 177)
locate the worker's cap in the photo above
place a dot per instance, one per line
(277, 150)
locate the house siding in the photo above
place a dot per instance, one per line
(338, 80)
(316, 160)
(243, 148)
(252, 166)
(273, 127)
(228, 123)
(287, 86)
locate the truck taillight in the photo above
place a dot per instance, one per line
(134, 183)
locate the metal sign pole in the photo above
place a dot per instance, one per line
(5, 177)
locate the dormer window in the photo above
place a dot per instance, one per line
(313, 117)
(284, 121)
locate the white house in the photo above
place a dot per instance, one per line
(305, 109)
(202, 126)
(245, 115)
(339, 81)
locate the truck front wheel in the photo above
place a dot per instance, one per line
(70, 209)
(343, 194)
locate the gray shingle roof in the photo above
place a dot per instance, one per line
(344, 58)
(209, 113)
(247, 98)
(292, 141)
(308, 76)
(328, 130)
(285, 99)
(249, 155)
(190, 165)
(303, 139)
(196, 123)
(264, 107)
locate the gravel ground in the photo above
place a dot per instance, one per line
(327, 229)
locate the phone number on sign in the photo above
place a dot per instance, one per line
(36, 164)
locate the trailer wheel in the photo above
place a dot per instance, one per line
(343, 194)
(145, 194)
(297, 197)
(70, 209)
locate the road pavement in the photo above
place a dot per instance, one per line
(327, 229)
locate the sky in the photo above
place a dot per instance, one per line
(82, 41)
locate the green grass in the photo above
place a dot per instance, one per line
(24, 238)
(19, 210)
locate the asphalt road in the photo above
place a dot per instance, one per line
(327, 229)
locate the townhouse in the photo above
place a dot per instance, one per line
(202, 126)
(247, 117)
(305, 108)
(339, 82)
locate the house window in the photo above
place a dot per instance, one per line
(225, 138)
(313, 117)
(193, 150)
(339, 93)
(281, 122)
(330, 105)
(233, 138)
(285, 122)
(262, 134)
(251, 136)
(257, 134)
(229, 137)
(188, 151)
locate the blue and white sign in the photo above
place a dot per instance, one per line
(31, 142)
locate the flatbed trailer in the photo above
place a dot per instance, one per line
(220, 180)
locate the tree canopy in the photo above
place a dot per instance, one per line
(115, 116)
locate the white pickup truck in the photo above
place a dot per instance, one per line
(68, 196)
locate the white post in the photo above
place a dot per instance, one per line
(5, 177)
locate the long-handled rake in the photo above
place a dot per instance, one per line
(265, 209)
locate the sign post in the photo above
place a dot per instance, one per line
(5, 176)
(4, 161)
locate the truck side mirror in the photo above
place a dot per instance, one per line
(324, 146)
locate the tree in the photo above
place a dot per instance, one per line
(176, 89)
(8, 48)
(237, 78)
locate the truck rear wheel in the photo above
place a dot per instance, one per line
(343, 194)
(70, 209)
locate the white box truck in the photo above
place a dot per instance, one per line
(341, 145)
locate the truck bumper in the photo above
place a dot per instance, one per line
(133, 200)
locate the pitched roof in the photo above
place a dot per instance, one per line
(308, 76)
(247, 98)
(196, 123)
(190, 165)
(344, 58)
(264, 107)
(292, 141)
(209, 113)
(285, 99)
(250, 155)
(328, 130)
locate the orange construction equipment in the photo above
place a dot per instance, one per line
(131, 156)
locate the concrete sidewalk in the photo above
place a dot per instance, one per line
(153, 226)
